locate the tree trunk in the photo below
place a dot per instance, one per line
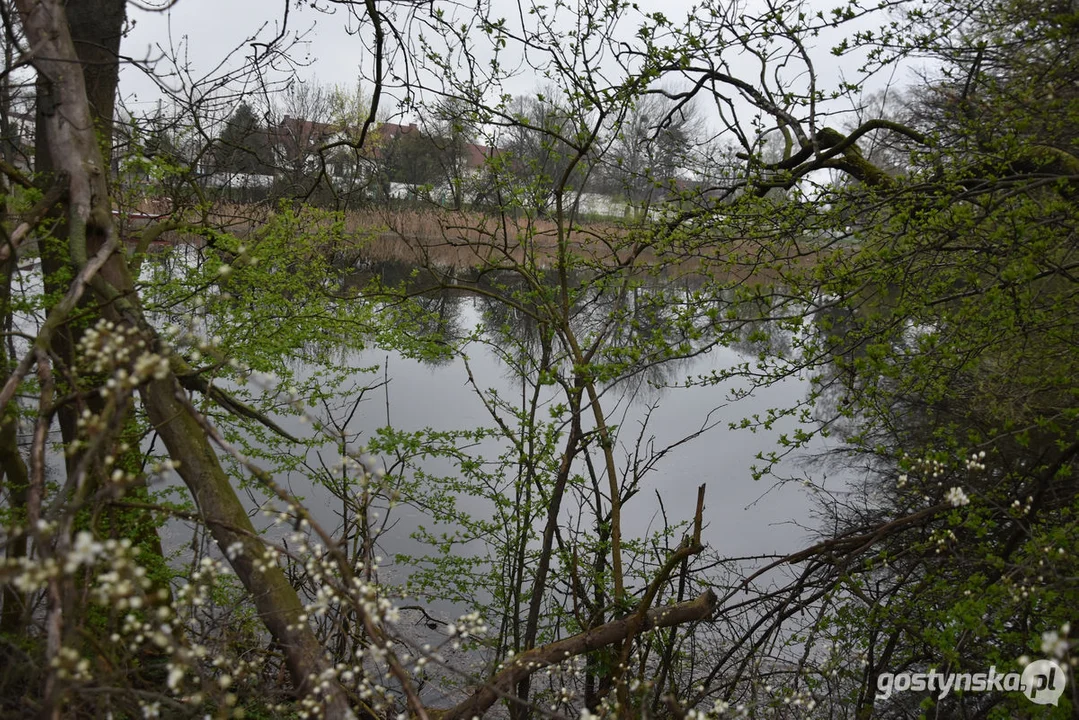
(13, 471)
(278, 605)
(68, 127)
(96, 29)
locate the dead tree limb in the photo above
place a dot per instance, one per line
(700, 608)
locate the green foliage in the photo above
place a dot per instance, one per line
(918, 269)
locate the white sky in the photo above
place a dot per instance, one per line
(205, 32)
(202, 33)
(194, 39)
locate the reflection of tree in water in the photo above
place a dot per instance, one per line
(882, 409)
(646, 327)
(750, 325)
(516, 324)
(833, 328)
(424, 302)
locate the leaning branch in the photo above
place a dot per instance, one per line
(851, 544)
(52, 196)
(56, 317)
(191, 380)
(527, 663)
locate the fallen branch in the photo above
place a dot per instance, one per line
(700, 608)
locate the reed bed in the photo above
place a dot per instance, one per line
(470, 239)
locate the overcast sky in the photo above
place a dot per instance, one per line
(202, 34)
(199, 35)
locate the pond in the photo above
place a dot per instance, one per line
(672, 429)
(676, 420)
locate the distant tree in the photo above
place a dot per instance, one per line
(243, 145)
(539, 152)
(349, 160)
(651, 147)
(412, 158)
(303, 123)
(451, 128)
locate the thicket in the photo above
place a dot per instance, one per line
(912, 260)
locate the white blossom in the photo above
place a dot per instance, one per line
(84, 552)
(956, 497)
(1054, 645)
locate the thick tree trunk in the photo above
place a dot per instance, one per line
(72, 142)
(96, 30)
(13, 471)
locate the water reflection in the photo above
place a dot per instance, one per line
(471, 411)
(671, 433)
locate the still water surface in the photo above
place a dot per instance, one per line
(743, 517)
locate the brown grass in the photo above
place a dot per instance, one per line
(468, 239)
(472, 239)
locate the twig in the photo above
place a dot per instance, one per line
(53, 196)
(56, 318)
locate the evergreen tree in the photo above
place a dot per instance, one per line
(244, 145)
